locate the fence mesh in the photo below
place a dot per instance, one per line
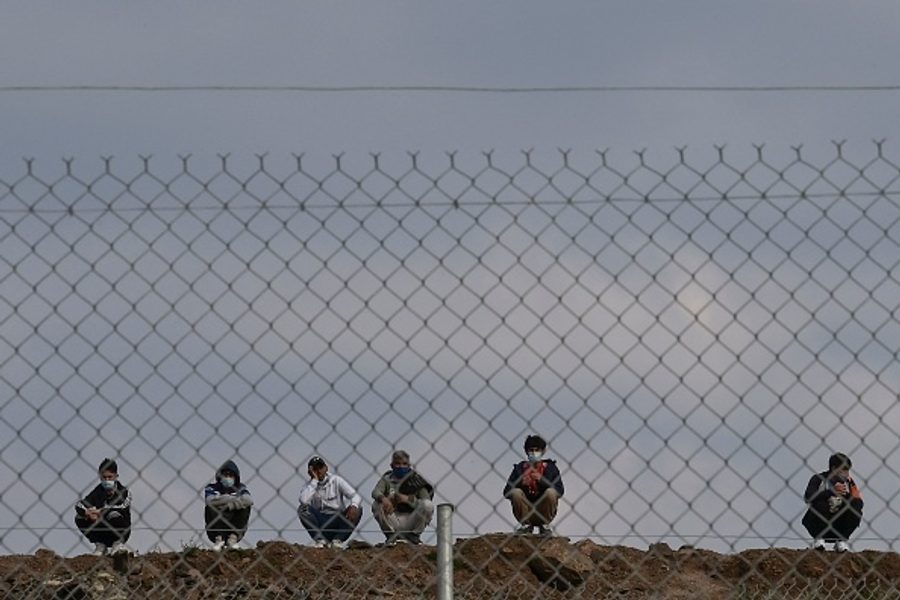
(694, 332)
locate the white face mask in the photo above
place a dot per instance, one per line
(535, 457)
(108, 484)
(227, 481)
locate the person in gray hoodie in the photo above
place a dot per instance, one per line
(227, 510)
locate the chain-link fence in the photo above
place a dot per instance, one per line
(694, 332)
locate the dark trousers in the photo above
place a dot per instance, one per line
(104, 531)
(832, 528)
(222, 523)
(327, 526)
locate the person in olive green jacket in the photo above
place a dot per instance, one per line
(403, 502)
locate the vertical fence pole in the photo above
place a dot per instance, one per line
(445, 551)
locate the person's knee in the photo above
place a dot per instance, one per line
(378, 512)
(426, 507)
(550, 496)
(517, 495)
(307, 516)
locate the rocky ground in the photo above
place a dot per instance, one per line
(490, 566)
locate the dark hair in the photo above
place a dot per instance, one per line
(316, 461)
(839, 460)
(535, 441)
(108, 464)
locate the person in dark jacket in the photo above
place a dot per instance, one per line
(227, 510)
(834, 505)
(104, 515)
(534, 488)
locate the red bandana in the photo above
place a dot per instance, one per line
(531, 480)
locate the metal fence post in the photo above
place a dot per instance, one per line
(445, 551)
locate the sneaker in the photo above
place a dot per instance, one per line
(338, 545)
(119, 548)
(320, 543)
(232, 542)
(218, 545)
(545, 531)
(841, 546)
(523, 530)
(412, 538)
(99, 549)
(818, 544)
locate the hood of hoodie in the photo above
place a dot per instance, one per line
(229, 466)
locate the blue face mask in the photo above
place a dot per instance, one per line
(400, 472)
(227, 482)
(108, 484)
(535, 457)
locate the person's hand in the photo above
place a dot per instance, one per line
(398, 498)
(352, 512)
(834, 503)
(92, 514)
(841, 488)
(532, 477)
(387, 507)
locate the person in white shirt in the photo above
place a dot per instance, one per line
(330, 509)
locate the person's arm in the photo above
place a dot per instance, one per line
(121, 500)
(241, 498)
(425, 490)
(817, 495)
(513, 481)
(382, 489)
(347, 491)
(856, 500)
(88, 506)
(308, 491)
(413, 489)
(120, 508)
(813, 489)
(82, 506)
(553, 478)
(212, 497)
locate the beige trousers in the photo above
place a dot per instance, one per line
(538, 513)
(395, 522)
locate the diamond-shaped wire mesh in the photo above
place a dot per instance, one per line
(693, 332)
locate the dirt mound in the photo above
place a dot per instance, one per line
(490, 566)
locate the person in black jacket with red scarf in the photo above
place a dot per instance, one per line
(534, 488)
(835, 505)
(104, 515)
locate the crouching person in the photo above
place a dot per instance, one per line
(227, 510)
(403, 502)
(534, 488)
(330, 509)
(104, 515)
(834, 505)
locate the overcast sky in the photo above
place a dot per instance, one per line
(167, 301)
(508, 43)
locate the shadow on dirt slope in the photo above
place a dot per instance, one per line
(490, 566)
